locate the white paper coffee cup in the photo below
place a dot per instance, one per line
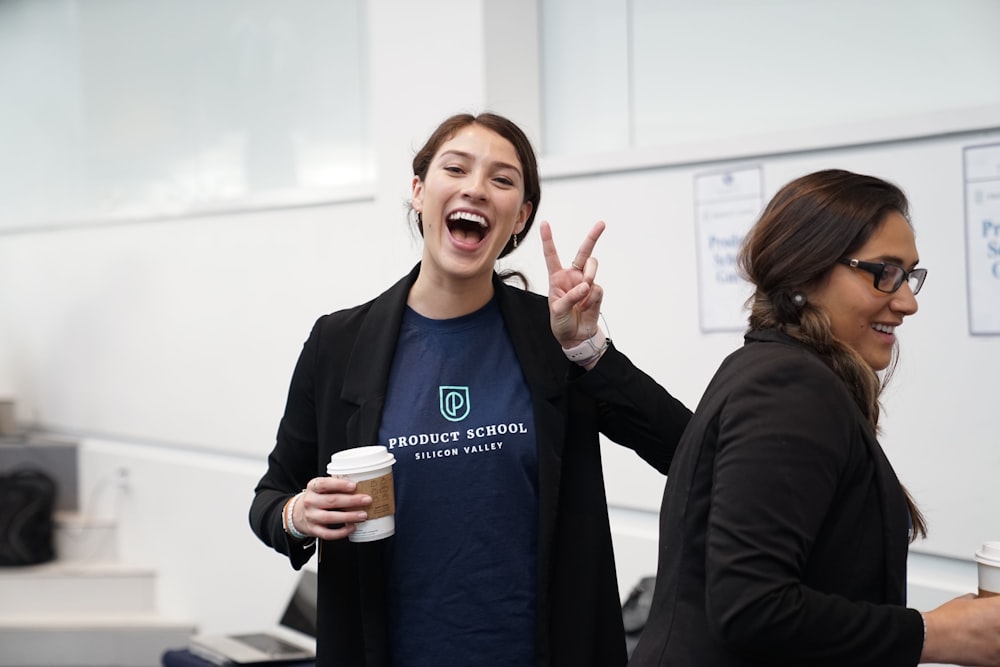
(988, 560)
(371, 469)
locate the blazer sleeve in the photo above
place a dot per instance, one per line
(785, 439)
(635, 411)
(292, 461)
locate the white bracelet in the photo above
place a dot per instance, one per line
(588, 350)
(289, 523)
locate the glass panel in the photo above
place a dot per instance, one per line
(724, 69)
(640, 73)
(143, 108)
(585, 96)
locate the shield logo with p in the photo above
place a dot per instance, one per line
(454, 402)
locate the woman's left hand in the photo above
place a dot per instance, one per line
(574, 298)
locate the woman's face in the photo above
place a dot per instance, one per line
(862, 316)
(471, 202)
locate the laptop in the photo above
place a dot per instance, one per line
(294, 638)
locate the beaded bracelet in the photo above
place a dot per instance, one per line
(289, 523)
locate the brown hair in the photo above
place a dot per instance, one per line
(506, 129)
(810, 224)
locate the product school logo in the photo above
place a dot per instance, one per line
(454, 402)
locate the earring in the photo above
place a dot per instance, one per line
(799, 299)
(515, 240)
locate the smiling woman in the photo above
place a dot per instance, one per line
(494, 415)
(471, 201)
(784, 529)
(863, 318)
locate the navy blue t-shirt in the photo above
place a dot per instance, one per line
(462, 565)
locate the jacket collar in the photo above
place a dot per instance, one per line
(773, 336)
(530, 342)
(370, 361)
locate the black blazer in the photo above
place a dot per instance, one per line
(783, 530)
(335, 401)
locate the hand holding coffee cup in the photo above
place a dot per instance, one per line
(329, 508)
(371, 469)
(988, 562)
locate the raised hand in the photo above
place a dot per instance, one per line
(574, 297)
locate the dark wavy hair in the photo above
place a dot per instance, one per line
(810, 224)
(506, 129)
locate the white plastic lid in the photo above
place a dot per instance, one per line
(989, 553)
(359, 459)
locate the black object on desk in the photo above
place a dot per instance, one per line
(185, 658)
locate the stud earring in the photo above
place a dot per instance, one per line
(799, 299)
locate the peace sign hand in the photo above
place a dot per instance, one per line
(574, 298)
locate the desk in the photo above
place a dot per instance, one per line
(185, 658)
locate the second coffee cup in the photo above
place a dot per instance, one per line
(371, 469)
(988, 562)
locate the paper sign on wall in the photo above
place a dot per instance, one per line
(982, 237)
(726, 204)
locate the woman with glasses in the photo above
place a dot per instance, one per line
(784, 530)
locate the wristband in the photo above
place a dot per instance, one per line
(289, 523)
(588, 350)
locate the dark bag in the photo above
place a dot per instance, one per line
(27, 505)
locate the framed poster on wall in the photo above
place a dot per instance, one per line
(982, 237)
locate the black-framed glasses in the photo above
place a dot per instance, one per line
(889, 277)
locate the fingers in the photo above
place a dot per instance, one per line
(591, 301)
(335, 533)
(583, 296)
(582, 260)
(330, 508)
(334, 493)
(324, 485)
(552, 262)
(574, 298)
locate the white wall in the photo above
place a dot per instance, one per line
(167, 345)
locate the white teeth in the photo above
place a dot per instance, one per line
(884, 328)
(465, 215)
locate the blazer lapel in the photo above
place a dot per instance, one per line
(367, 372)
(895, 519)
(545, 374)
(534, 344)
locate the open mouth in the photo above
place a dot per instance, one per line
(467, 226)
